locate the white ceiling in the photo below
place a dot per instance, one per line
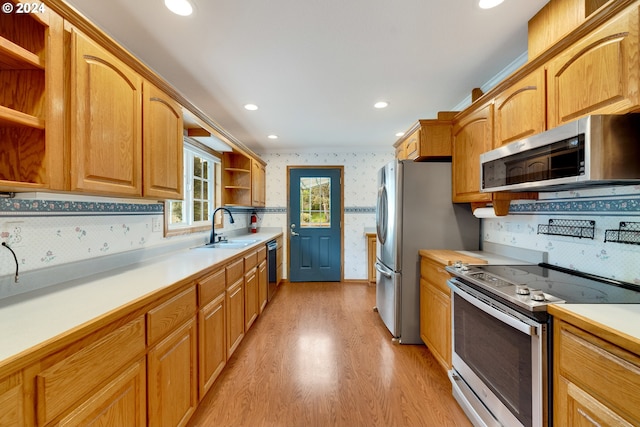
(316, 67)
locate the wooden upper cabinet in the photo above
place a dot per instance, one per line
(427, 139)
(162, 150)
(106, 121)
(599, 73)
(258, 184)
(520, 110)
(472, 136)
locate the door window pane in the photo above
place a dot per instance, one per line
(315, 202)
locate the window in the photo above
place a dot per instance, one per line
(202, 193)
(315, 202)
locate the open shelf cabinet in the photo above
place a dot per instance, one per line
(31, 73)
(236, 179)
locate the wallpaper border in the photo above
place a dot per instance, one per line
(36, 207)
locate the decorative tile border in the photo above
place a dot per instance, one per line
(604, 206)
(284, 210)
(26, 207)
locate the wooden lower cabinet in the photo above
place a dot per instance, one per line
(371, 257)
(65, 378)
(12, 401)
(122, 401)
(263, 285)
(596, 383)
(150, 366)
(251, 289)
(212, 345)
(235, 316)
(172, 377)
(435, 310)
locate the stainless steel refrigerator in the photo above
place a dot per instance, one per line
(413, 212)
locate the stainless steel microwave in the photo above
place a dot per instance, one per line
(597, 149)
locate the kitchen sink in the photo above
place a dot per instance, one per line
(230, 244)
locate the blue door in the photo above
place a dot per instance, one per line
(315, 224)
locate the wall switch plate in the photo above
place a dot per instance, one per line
(156, 224)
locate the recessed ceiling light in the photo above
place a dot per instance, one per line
(272, 136)
(488, 4)
(250, 107)
(381, 104)
(179, 7)
(400, 134)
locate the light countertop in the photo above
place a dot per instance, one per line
(618, 323)
(31, 320)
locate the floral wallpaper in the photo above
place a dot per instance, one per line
(45, 232)
(360, 189)
(607, 207)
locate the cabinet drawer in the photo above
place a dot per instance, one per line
(211, 286)
(170, 314)
(603, 370)
(262, 253)
(123, 399)
(435, 274)
(250, 261)
(69, 377)
(235, 271)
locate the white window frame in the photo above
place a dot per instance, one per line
(189, 225)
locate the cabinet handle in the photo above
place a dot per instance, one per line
(588, 418)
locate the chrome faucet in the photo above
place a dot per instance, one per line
(212, 239)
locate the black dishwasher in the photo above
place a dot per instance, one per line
(272, 267)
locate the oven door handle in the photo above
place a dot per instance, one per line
(500, 315)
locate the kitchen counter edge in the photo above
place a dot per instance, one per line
(616, 323)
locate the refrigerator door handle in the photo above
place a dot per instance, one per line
(384, 271)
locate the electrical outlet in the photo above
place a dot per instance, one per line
(156, 224)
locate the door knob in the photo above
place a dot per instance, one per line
(293, 233)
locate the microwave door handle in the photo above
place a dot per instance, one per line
(503, 317)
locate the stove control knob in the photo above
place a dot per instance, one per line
(522, 290)
(537, 296)
(465, 267)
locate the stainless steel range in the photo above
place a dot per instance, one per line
(501, 336)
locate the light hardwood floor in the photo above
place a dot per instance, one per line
(319, 356)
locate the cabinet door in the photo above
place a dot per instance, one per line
(12, 401)
(371, 263)
(173, 381)
(251, 290)
(598, 74)
(235, 316)
(122, 401)
(263, 284)
(438, 325)
(258, 187)
(412, 146)
(162, 150)
(106, 122)
(212, 344)
(520, 111)
(472, 136)
(595, 382)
